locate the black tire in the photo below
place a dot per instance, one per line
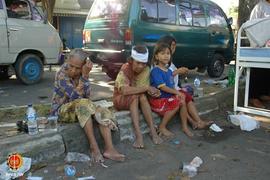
(4, 73)
(112, 74)
(216, 67)
(29, 69)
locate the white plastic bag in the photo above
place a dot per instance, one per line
(246, 123)
(191, 168)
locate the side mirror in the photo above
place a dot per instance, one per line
(230, 20)
(45, 17)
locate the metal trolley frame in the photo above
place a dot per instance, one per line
(246, 58)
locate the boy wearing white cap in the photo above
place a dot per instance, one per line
(128, 96)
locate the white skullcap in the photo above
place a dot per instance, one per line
(140, 57)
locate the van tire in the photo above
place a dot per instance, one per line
(112, 74)
(29, 68)
(216, 67)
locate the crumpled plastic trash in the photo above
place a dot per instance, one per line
(34, 178)
(77, 157)
(191, 168)
(87, 178)
(246, 123)
(6, 173)
(210, 81)
(215, 128)
(70, 170)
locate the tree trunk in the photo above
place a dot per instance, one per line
(49, 6)
(245, 8)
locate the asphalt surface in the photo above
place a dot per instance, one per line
(13, 93)
(232, 154)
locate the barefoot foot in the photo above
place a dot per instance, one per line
(156, 139)
(204, 124)
(165, 132)
(188, 132)
(114, 155)
(97, 157)
(138, 143)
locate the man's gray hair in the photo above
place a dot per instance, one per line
(79, 53)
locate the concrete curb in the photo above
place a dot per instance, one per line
(48, 145)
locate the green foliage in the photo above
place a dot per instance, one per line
(233, 11)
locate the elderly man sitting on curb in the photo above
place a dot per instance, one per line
(129, 95)
(71, 103)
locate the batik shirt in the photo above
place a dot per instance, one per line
(67, 90)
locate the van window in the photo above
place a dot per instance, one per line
(166, 11)
(215, 17)
(185, 15)
(18, 9)
(199, 19)
(109, 9)
(149, 10)
(1, 5)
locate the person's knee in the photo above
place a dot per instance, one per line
(86, 124)
(183, 103)
(143, 98)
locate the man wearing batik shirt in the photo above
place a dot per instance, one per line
(131, 88)
(71, 103)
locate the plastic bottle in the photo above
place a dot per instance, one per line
(70, 170)
(197, 84)
(31, 120)
(231, 76)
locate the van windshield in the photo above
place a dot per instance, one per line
(108, 9)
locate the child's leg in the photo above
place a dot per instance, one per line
(147, 112)
(134, 111)
(192, 110)
(163, 125)
(193, 123)
(184, 119)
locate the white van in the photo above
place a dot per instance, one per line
(27, 41)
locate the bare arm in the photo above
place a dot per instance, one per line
(181, 71)
(173, 91)
(169, 90)
(128, 90)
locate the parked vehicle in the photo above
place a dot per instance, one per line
(28, 41)
(203, 32)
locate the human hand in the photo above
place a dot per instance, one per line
(182, 70)
(87, 67)
(154, 92)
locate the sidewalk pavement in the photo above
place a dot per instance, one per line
(70, 137)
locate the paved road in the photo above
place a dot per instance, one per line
(13, 93)
(232, 154)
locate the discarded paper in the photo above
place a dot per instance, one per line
(215, 128)
(6, 173)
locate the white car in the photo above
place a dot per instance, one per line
(27, 41)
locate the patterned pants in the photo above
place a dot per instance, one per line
(82, 110)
